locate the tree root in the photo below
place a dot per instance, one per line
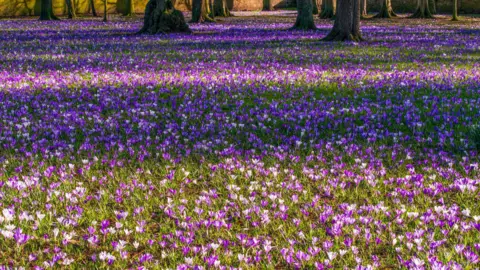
(421, 15)
(163, 19)
(385, 14)
(303, 27)
(327, 14)
(342, 36)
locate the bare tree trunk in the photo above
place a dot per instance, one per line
(386, 11)
(25, 6)
(92, 7)
(75, 5)
(347, 22)
(70, 9)
(328, 10)
(129, 8)
(162, 17)
(433, 6)
(363, 9)
(200, 12)
(423, 11)
(46, 12)
(37, 8)
(455, 10)
(304, 16)
(315, 8)
(65, 10)
(211, 9)
(268, 5)
(188, 4)
(105, 11)
(221, 8)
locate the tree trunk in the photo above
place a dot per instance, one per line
(221, 8)
(455, 10)
(65, 11)
(26, 6)
(105, 11)
(315, 7)
(328, 10)
(162, 17)
(304, 16)
(386, 11)
(92, 7)
(363, 9)
(200, 12)
(70, 9)
(423, 11)
(129, 8)
(433, 6)
(46, 12)
(211, 9)
(268, 5)
(347, 22)
(37, 8)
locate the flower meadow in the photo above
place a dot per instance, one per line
(240, 146)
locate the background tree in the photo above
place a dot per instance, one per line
(46, 12)
(386, 11)
(315, 10)
(347, 22)
(37, 8)
(25, 6)
(91, 6)
(268, 5)
(455, 10)
(363, 9)
(162, 17)
(211, 8)
(304, 15)
(423, 10)
(328, 9)
(70, 9)
(105, 11)
(200, 11)
(221, 8)
(129, 8)
(433, 6)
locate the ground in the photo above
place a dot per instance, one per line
(243, 145)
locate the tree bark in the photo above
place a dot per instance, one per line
(46, 11)
(267, 5)
(221, 8)
(433, 6)
(200, 12)
(423, 11)
(386, 11)
(211, 9)
(315, 7)
(105, 11)
(26, 6)
(129, 8)
(162, 17)
(70, 9)
(328, 10)
(37, 8)
(92, 7)
(347, 22)
(304, 16)
(455, 10)
(363, 9)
